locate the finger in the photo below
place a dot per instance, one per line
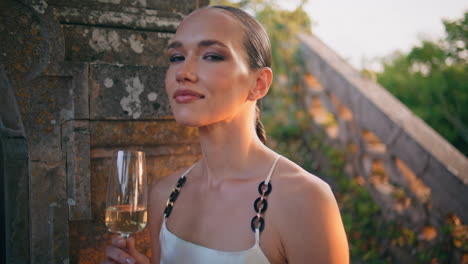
(119, 241)
(119, 256)
(131, 246)
(133, 251)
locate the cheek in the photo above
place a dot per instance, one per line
(228, 78)
(167, 78)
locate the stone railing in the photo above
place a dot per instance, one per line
(414, 174)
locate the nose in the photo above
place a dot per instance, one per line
(187, 71)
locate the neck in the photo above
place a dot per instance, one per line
(230, 150)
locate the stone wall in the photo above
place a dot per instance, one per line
(87, 78)
(415, 175)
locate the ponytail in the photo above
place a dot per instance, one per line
(259, 128)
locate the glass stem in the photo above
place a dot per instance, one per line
(125, 235)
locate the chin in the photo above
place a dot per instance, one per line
(186, 119)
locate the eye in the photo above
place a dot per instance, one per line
(213, 57)
(176, 58)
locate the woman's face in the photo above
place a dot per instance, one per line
(208, 79)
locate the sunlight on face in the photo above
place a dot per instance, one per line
(208, 79)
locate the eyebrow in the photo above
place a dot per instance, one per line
(203, 43)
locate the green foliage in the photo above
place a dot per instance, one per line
(282, 27)
(432, 80)
(457, 38)
(227, 2)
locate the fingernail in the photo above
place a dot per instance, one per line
(129, 260)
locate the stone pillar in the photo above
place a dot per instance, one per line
(14, 179)
(88, 76)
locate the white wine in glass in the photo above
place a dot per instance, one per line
(127, 197)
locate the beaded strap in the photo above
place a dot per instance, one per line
(260, 206)
(174, 195)
(175, 192)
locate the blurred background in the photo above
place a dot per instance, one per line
(371, 96)
(414, 50)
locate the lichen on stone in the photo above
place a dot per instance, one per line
(131, 103)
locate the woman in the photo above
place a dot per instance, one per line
(219, 69)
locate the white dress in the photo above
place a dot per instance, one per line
(179, 251)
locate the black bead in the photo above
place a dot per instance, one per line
(260, 187)
(264, 205)
(262, 223)
(168, 210)
(181, 182)
(183, 179)
(174, 196)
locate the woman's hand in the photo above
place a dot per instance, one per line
(124, 252)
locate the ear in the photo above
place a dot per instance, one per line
(263, 78)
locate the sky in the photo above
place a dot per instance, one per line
(361, 31)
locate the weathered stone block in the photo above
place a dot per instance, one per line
(326, 75)
(29, 40)
(78, 94)
(416, 157)
(121, 17)
(49, 213)
(128, 92)
(448, 193)
(179, 6)
(60, 94)
(44, 103)
(76, 144)
(146, 134)
(113, 45)
(373, 119)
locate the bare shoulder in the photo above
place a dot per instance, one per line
(298, 185)
(307, 217)
(296, 191)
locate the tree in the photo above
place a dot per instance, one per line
(432, 80)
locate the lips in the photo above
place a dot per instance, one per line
(183, 96)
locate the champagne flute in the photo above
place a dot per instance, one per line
(126, 202)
